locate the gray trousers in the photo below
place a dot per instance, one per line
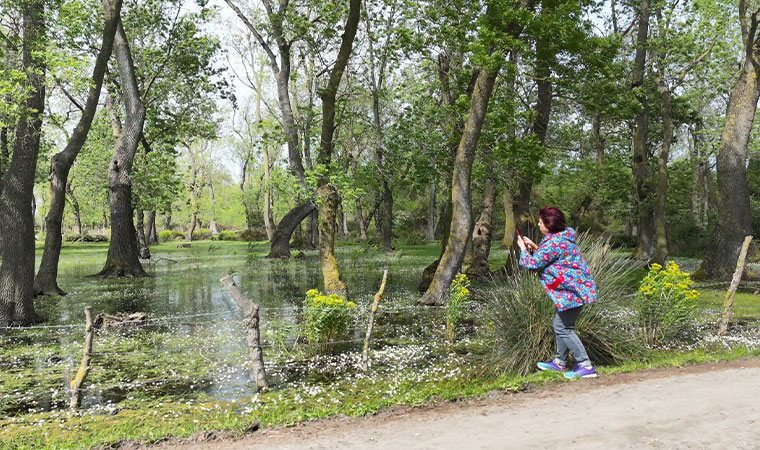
(567, 340)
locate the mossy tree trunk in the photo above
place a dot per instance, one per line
(734, 220)
(640, 146)
(328, 194)
(481, 234)
(461, 220)
(16, 216)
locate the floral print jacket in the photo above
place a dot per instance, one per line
(562, 270)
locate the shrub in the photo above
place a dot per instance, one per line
(664, 304)
(227, 235)
(255, 234)
(459, 298)
(164, 235)
(85, 238)
(518, 315)
(327, 318)
(201, 234)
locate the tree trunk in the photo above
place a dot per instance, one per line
(330, 270)
(327, 193)
(74, 208)
(660, 233)
(142, 241)
(481, 235)
(734, 220)
(431, 214)
(640, 150)
(461, 221)
(150, 225)
(212, 225)
(700, 194)
(509, 219)
(311, 231)
(16, 216)
(360, 220)
(280, 247)
(123, 255)
(268, 219)
(46, 281)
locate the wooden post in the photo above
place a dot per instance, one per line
(365, 364)
(250, 312)
(84, 367)
(729, 300)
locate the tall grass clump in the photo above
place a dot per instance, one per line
(518, 314)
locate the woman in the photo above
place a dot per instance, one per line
(567, 279)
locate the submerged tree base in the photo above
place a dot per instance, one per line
(114, 271)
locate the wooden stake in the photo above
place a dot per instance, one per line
(84, 367)
(728, 303)
(365, 364)
(251, 320)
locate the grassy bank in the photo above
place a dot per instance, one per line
(288, 406)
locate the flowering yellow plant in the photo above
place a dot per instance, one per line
(326, 318)
(665, 302)
(459, 297)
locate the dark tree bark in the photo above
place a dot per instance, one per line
(329, 194)
(74, 208)
(700, 194)
(46, 281)
(360, 220)
(150, 228)
(448, 94)
(640, 150)
(16, 216)
(660, 233)
(142, 240)
(123, 258)
(461, 221)
(734, 220)
(481, 234)
(281, 242)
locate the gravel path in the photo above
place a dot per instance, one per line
(712, 406)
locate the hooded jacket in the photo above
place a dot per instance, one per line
(562, 270)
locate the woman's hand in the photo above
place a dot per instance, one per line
(521, 243)
(530, 244)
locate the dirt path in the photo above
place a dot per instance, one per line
(711, 406)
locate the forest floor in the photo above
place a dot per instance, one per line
(710, 406)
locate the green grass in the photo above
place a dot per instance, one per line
(288, 406)
(176, 406)
(746, 305)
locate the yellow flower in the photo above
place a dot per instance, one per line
(655, 267)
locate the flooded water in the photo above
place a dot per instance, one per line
(193, 347)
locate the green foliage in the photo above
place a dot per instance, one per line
(416, 239)
(518, 315)
(665, 303)
(327, 318)
(170, 235)
(85, 238)
(201, 234)
(227, 235)
(456, 305)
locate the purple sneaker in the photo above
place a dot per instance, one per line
(581, 372)
(551, 365)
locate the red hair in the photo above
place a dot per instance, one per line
(552, 218)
